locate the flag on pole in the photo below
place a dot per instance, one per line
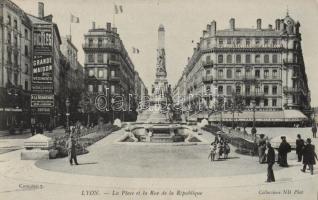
(74, 19)
(135, 50)
(118, 9)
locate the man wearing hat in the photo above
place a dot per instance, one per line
(270, 162)
(299, 147)
(309, 156)
(283, 149)
(71, 146)
(261, 149)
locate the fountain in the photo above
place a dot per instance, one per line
(156, 124)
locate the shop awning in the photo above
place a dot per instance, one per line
(262, 116)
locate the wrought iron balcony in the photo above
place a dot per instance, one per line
(291, 90)
(113, 62)
(87, 46)
(207, 79)
(114, 78)
(207, 64)
(289, 62)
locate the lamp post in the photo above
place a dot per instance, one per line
(254, 128)
(67, 103)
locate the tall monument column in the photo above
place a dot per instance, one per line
(160, 86)
(161, 56)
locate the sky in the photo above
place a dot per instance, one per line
(184, 21)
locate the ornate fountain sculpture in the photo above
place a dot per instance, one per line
(160, 125)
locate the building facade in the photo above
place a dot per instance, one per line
(72, 78)
(46, 105)
(265, 66)
(109, 70)
(15, 61)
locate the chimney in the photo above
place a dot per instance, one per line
(213, 28)
(204, 33)
(277, 24)
(232, 24)
(297, 27)
(282, 25)
(40, 10)
(259, 24)
(108, 26)
(270, 27)
(114, 29)
(93, 25)
(208, 28)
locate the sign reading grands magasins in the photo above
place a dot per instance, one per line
(42, 98)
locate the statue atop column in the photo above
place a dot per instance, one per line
(161, 56)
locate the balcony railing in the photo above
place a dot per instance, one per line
(101, 46)
(207, 79)
(289, 62)
(248, 46)
(291, 90)
(114, 78)
(208, 63)
(254, 94)
(113, 62)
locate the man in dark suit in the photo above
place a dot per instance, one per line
(309, 156)
(261, 149)
(299, 147)
(71, 147)
(283, 150)
(270, 163)
(314, 130)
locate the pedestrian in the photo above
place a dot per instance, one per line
(309, 156)
(299, 147)
(283, 150)
(212, 151)
(71, 147)
(227, 149)
(33, 127)
(218, 138)
(270, 157)
(261, 149)
(314, 130)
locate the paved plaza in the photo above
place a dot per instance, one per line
(134, 167)
(155, 160)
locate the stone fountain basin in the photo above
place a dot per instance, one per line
(161, 133)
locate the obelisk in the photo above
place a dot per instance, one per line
(161, 83)
(161, 56)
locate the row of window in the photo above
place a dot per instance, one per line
(15, 22)
(238, 90)
(248, 41)
(15, 57)
(100, 41)
(248, 73)
(100, 73)
(101, 57)
(100, 88)
(258, 59)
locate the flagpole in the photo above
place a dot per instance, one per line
(114, 14)
(70, 31)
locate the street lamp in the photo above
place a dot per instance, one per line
(254, 128)
(67, 103)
